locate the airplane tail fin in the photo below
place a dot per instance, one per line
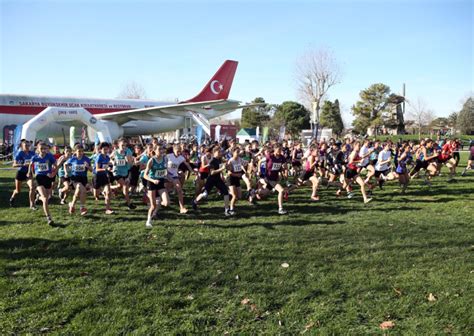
(219, 85)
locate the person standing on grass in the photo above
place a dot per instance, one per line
(22, 161)
(101, 179)
(43, 165)
(122, 160)
(215, 179)
(80, 165)
(156, 176)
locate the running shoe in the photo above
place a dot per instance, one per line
(350, 195)
(148, 224)
(232, 212)
(367, 200)
(12, 202)
(50, 221)
(131, 206)
(62, 202)
(83, 211)
(282, 212)
(33, 207)
(194, 205)
(227, 213)
(109, 212)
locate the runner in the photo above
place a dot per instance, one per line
(22, 161)
(174, 160)
(215, 179)
(155, 174)
(122, 159)
(43, 165)
(236, 171)
(352, 173)
(402, 170)
(101, 177)
(308, 175)
(64, 179)
(80, 165)
(274, 163)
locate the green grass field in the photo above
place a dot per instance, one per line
(351, 266)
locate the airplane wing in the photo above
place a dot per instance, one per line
(209, 109)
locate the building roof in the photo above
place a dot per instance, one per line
(247, 132)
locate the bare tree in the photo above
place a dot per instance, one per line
(132, 90)
(419, 111)
(316, 72)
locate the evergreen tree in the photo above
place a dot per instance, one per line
(254, 116)
(331, 116)
(369, 110)
(294, 116)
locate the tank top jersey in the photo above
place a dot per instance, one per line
(204, 160)
(24, 158)
(159, 169)
(63, 169)
(121, 165)
(173, 163)
(235, 166)
(274, 165)
(353, 165)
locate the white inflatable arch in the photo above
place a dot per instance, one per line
(64, 114)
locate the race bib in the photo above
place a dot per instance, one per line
(27, 162)
(237, 168)
(276, 166)
(42, 167)
(172, 165)
(121, 162)
(161, 173)
(80, 168)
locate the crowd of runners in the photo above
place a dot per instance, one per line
(249, 172)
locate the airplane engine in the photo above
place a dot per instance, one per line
(115, 130)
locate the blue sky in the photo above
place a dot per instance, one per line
(91, 48)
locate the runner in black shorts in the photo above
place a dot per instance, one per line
(22, 161)
(215, 180)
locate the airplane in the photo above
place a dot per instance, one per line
(124, 117)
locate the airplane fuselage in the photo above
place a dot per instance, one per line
(18, 109)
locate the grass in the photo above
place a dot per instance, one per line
(351, 267)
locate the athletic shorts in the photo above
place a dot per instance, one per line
(471, 157)
(336, 170)
(296, 164)
(134, 175)
(401, 170)
(381, 172)
(271, 184)
(118, 177)
(152, 186)
(219, 184)
(420, 165)
(79, 179)
(21, 176)
(373, 162)
(364, 166)
(44, 181)
(203, 176)
(351, 173)
(100, 180)
(306, 175)
(235, 181)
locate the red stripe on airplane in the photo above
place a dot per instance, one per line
(34, 110)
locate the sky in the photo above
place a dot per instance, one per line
(92, 48)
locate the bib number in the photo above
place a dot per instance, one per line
(276, 166)
(120, 162)
(80, 168)
(161, 173)
(42, 167)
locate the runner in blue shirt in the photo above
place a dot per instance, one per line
(44, 167)
(64, 179)
(22, 161)
(101, 177)
(80, 165)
